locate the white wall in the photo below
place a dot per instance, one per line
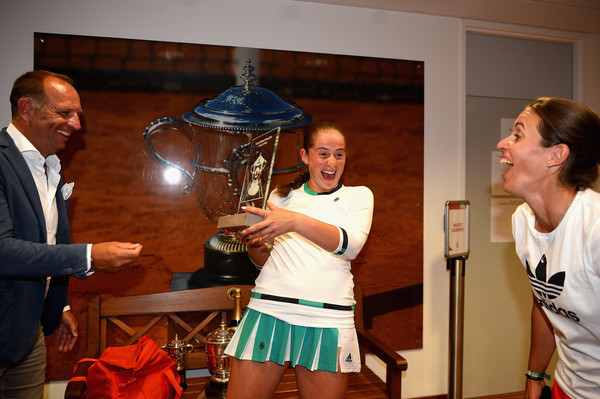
(286, 24)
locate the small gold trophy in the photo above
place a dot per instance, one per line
(218, 362)
(178, 350)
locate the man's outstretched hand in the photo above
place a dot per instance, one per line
(110, 257)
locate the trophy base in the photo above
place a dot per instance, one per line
(238, 222)
(216, 389)
(203, 279)
(226, 262)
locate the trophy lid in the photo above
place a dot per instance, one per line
(221, 335)
(176, 343)
(247, 109)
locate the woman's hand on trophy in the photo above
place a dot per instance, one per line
(238, 236)
(279, 221)
(245, 238)
(276, 221)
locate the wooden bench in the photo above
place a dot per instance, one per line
(123, 320)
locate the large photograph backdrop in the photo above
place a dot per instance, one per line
(121, 194)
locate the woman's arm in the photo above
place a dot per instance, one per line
(541, 349)
(279, 221)
(260, 236)
(346, 239)
(259, 249)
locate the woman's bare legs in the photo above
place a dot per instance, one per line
(256, 380)
(321, 384)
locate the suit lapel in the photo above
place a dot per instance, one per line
(12, 153)
(63, 233)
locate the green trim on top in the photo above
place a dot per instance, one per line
(311, 192)
(308, 190)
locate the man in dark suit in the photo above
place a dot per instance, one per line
(36, 254)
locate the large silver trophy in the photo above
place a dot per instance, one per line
(234, 139)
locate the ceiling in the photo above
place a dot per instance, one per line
(568, 15)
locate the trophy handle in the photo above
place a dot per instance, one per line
(169, 123)
(299, 163)
(189, 348)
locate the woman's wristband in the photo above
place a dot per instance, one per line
(534, 375)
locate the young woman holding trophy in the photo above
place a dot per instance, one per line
(301, 313)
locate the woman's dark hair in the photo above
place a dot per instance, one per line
(310, 133)
(577, 126)
(31, 85)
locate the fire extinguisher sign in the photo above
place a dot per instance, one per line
(456, 226)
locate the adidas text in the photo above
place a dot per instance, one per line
(552, 307)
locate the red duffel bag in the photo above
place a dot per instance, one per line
(138, 371)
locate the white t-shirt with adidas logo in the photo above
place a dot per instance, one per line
(566, 282)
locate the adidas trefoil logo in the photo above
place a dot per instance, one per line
(549, 288)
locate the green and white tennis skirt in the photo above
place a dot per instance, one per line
(263, 338)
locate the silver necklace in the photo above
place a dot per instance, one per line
(543, 253)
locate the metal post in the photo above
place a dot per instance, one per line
(457, 276)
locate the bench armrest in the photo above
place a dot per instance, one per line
(394, 362)
(390, 357)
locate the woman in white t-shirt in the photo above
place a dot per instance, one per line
(553, 153)
(301, 311)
